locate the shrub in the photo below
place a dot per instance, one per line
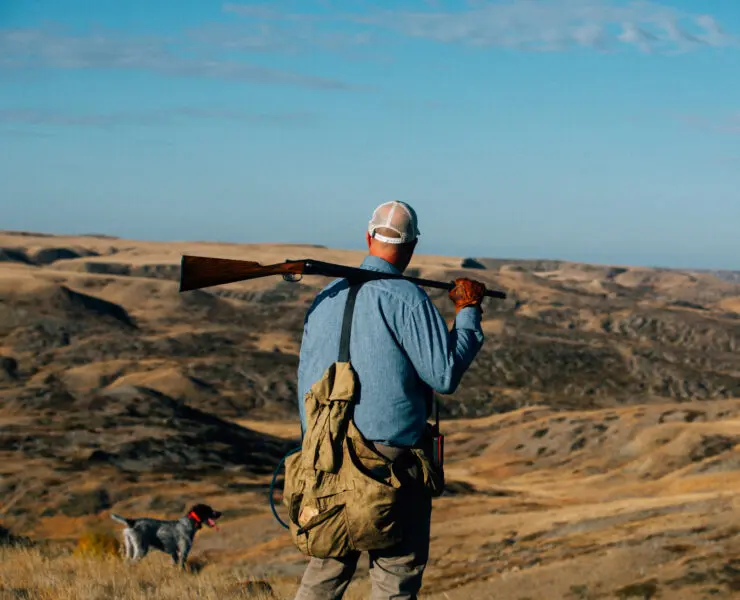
(98, 543)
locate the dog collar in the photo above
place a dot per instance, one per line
(195, 518)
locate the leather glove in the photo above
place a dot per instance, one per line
(467, 292)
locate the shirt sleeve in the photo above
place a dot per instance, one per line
(439, 356)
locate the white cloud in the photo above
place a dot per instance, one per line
(541, 25)
(42, 47)
(147, 118)
(293, 38)
(524, 25)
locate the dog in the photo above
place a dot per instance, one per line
(173, 537)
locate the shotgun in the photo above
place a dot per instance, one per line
(198, 272)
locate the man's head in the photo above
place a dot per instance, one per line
(392, 233)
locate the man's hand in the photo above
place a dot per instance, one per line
(467, 292)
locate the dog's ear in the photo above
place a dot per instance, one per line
(203, 510)
(198, 509)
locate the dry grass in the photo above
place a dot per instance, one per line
(652, 499)
(94, 571)
(39, 574)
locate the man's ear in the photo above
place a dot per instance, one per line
(368, 239)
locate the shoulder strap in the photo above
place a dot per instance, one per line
(349, 309)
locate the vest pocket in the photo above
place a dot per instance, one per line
(322, 529)
(374, 515)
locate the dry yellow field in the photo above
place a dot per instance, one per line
(604, 463)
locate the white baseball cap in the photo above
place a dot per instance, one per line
(398, 217)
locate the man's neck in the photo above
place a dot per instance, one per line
(389, 260)
(383, 263)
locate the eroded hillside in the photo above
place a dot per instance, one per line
(602, 461)
(93, 312)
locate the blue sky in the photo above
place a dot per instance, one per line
(593, 130)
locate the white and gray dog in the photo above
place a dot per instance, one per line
(173, 537)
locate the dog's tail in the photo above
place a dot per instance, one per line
(123, 520)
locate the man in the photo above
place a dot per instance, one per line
(402, 352)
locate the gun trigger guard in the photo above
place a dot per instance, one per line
(292, 277)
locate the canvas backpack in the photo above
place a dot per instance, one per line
(341, 494)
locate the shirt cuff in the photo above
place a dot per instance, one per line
(468, 318)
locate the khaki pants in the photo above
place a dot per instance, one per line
(395, 573)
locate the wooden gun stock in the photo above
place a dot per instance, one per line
(198, 272)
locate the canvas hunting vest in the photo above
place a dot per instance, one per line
(341, 494)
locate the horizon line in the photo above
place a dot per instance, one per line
(48, 234)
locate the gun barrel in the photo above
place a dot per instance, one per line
(332, 270)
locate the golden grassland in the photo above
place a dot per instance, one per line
(651, 510)
(95, 570)
(629, 497)
(34, 573)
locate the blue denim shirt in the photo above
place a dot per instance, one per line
(400, 349)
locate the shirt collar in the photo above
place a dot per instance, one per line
(374, 263)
